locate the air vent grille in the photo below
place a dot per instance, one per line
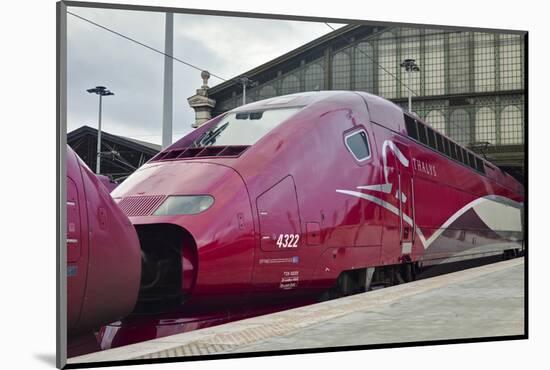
(140, 205)
(210, 151)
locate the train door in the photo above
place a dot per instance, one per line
(76, 253)
(398, 174)
(278, 258)
(405, 195)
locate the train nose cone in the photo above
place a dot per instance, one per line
(217, 233)
(103, 252)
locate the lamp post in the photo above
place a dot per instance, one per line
(245, 81)
(101, 91)
(410, 66)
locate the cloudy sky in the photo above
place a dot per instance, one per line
(225, 46)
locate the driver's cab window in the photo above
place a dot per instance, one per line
(358, 144)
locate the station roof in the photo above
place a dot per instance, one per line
(120, 155)
(138, 145)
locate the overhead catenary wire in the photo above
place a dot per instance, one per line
(144, 45)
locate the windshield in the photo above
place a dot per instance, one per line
(244, 128)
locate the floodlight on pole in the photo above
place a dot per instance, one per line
(101, 91)
(410, 66)
(245, 81)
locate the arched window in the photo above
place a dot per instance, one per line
(434, 62)
(314, 78)
(267, 91)
(484, 62)
(485, 126)
(291, 84)
(387, 58)
(437, 120)
(510, 61)
(459, 128)
(364, 67)
(459, 63)
(341, 71)
(511, 125)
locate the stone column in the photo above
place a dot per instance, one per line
(201, 103)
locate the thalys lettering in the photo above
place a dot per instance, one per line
(424, 167)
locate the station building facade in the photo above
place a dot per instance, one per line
(470, 85)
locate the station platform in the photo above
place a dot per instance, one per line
(478, 302)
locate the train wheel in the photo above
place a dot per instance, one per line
(369, 274)
(509, 254)
(349, 283)
(408, 272)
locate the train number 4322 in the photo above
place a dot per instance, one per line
(288, 240)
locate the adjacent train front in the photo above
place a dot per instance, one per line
(192, 212)
(103, 257)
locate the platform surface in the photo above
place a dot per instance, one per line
(479, 302)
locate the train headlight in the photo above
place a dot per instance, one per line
(184, 205)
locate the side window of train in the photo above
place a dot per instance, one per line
(465, 157)
(410, 124)
(431, 138)
(471, 160)
(358, 144)
(480, 166)
(439, 140)
(422, 133)
(453, 151)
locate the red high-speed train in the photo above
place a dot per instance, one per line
(308, 193)
(103, 257)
